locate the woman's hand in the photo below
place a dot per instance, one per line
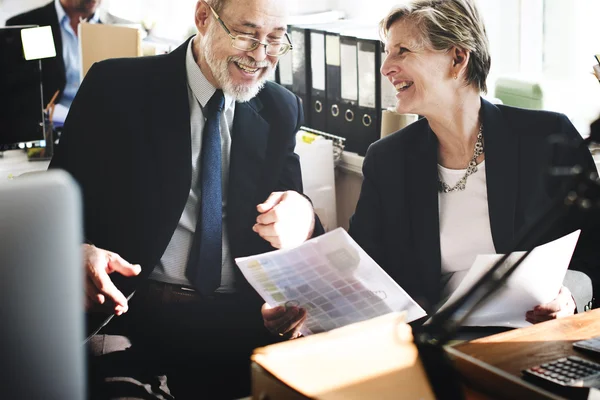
(563, 305)
(283, 321)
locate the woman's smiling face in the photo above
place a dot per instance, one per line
(422, 76)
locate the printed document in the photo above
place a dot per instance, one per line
(332, 278)
(536, 280)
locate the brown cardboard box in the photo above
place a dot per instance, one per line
(102, 41)
(370, 359)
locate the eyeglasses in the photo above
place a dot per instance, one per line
(248, 43)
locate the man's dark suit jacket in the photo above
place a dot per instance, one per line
(397, 219)
(127, 142)
(53, 69)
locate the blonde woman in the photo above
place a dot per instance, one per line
(463, 180)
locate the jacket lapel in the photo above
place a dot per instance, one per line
(501, 168)
(422, 192)
(249, 139)
(169, 133)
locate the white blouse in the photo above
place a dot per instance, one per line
(465, 228)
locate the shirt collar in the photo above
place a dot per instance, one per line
(60, 11)
(201, 87)
(62, 15)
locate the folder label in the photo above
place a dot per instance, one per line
(317, 60)
(286, 76)
(332, 44)
(366, 72)
(298, 61)
(349, 72)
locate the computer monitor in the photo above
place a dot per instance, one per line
(41, 290)
(21, 108)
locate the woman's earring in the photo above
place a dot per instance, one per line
(455, 76)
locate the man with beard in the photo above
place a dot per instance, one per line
(63, 72)
(156, 143)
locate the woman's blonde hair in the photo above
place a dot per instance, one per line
(445, 24)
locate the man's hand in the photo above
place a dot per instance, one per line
(282, 321)
(562, 306)
(286, 219)
(99, 288)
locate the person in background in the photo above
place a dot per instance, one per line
(465, 179)
(63, 72)
(191, 165)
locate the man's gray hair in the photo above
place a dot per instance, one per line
(217, 5)
(445, 24)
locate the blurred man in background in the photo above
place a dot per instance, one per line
(63, 72)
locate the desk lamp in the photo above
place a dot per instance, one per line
(21, 116)
(38, 43)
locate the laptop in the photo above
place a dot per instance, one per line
(42, 294)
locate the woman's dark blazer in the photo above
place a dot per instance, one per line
(397, 220)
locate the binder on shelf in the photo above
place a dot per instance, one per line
(318, 100)
(360, 53)
(325, 69)
(301, 73)
(333, 83)
(348, 91)
(369, 90)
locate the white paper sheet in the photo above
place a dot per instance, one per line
(536, 281)
(332, 278)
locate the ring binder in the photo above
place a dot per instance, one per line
(318, 106)
(335, 110)
(349, 115)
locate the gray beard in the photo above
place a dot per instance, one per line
(220, 71)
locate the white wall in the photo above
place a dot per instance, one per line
(552, 41)
(570, 41)
(175, 19)
(361, 9)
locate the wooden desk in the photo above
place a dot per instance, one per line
(493, 364)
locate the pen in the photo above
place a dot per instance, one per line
(51, 102)
(51, 116)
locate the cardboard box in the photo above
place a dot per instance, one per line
(370, 359)
(102, 41)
